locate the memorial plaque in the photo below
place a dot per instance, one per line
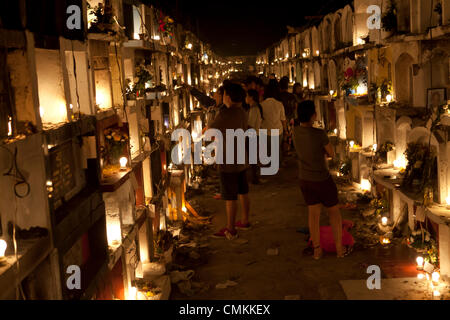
(62, 168)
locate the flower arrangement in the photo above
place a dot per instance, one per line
(104, 19)
(345, 168)
(380, 205)
(116, 144)
(385, 88)
(166, 25)
(147, 288)
(142, 81)
(420, 169)
(354, 81)
(350, 82)
(389, 18)
(384, 149)
(423, 242)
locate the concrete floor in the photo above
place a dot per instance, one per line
(277, 211)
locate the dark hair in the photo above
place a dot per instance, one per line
(272, 90)
(259, 82)
(296, 85)
(305, 111)
(284, 83)
(255, 96)
(235, 92)
(251, 79)
(226, 82)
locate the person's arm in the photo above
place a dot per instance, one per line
(329, 150)
(202, 98)
(283, 117)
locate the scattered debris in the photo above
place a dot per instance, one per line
(153, 270)
(226, 284)
(272, 252)
(240, 241)
(178, 276)
(185, 288)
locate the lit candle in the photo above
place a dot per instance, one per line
(375, 147)
(331, 92)
(420, 276)
(419, 261)
(335, 131)
(132, 293)
(9, 126)
(384, 221)
(317, 52)
(389, 98)
(3, 246)
(366, 186)
(435, 278)
(184, 209)
(436, 295)
(123, 163)
(352, 144)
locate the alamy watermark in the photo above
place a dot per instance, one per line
(374, 281)
(374, 21)
(214, 152)
(73, 282)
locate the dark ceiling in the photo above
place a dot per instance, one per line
(245, 27)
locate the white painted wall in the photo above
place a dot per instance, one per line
(33, 209)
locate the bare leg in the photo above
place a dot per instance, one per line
(245, 202)
(314, 227)
(336, 225)
(231, 206)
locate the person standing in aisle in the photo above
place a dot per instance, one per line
(255, 117)
(290, 104)
(274, 117)
(316, 183)
(297, 90)
(233, 177)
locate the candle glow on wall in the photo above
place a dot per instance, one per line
(366, 186)
(53, 108)
(3, 246)
(9, 126)
(401, 163)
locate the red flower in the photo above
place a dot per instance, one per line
(349, 73)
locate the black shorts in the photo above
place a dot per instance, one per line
(232, 184)
(324, 192)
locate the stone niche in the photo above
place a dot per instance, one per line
(360, 125)
(315, 41)
(424, 136)
(79, 85)
(120, 212)
(403, 129)
(31, 210)
(347, 25)
(52, 100)
(386, 128)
